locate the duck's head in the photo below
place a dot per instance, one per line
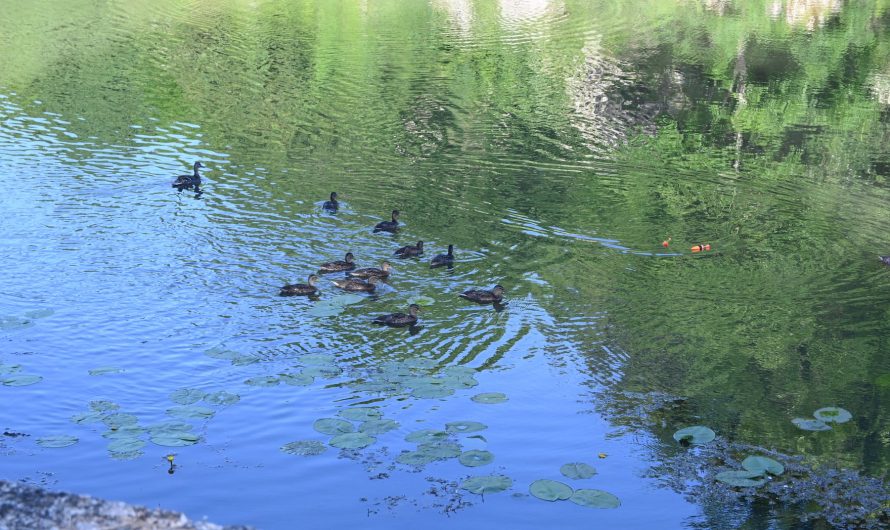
(420, 245)
(198, 164)
(385, 266)
(497, 291)
(395, 215)
(313, 278)
(413, 309)
(450, 250)
(349, 257)
(333, 196)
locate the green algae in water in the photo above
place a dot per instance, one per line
(352, 440)
(487, 484)
(741, 478)
(421, 300)
(187, 396)
(222, 398)
(763, 464)
(591, 498)
(105, 370)
(360, 413)
(425, 436)
(191, 412)
(696, 435)
(21, 380)
(550, 490)
(304, 448)
(465, 426)
(332, 426)
(810, 424)
(476, 458)
(577, 470)
(263, 381)
(57, 441)
(378, 426)
(833, 415)
(174, 438)
(297, 379)
(490, 398)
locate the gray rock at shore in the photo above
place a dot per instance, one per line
(28, 507)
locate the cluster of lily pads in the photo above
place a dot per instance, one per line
(419, 377)
(345, 434)
(754, 473)
(433, 445)
(822, 417)
(10, 375)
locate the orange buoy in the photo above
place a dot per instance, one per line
(666, 242)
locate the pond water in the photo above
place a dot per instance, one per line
(555, 143)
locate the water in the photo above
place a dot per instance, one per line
(555, 144)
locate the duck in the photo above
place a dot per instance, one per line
(885, 260)
(381, 273)
(357, 285)
(409, 251)
(494, 296)
(346, 264)
(443, 260)
(332, 204)
(184, 182)
(399, 320)
(388, 226)
(301, 289)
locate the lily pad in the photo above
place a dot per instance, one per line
(190, 412)
(9, 368)
(168, 427)
(696, 435)
(324, 371)
(741, 478)
(21, 380)
(440, 449)
(332, 426)
(833, 414)
(125, 431)
(476, 458)
(577, 470)
(59, 440)
(490, 398)
(334, 306)
(352, 440)
(425, 436)
(175, 439)
(487, 484)
(360, 413)
(595, 499)
(263, 380)
(550, 490)
(465, 426)
(119, 419)
(431, 391)
(304, 448)
(763, 464)
(378, 426)
(809, 424)
(104, 406)
(187, 396)
(297, 379)
(105, 370)
(222, 398)
(415, 458)
(12, 323)
(421, 300)
(221, 353)
(126, 446)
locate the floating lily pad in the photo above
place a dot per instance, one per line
(244, 360)
(487, 484)
(318, 359)
(378, 426)
(421, 300)
(222, 398)
(431, 391)
(169, 427)
(175, 439)
(696, 435)
(304, 448)
(577, 470)
(334, 306)
(595, 499)
(763, 464)
(325, 371)
(333, 426)
(13, 323)
(126, 446)
(476, 458)
(221, 353)
(465, 426)
(59, 440)
(119, 419)
(440, 449)
(490, 398)
(352, 440)
(360, 413)
(741, 478)
(104, 406)
(809, 424)
(191, 411)
(21, 380)
(550, 490)
(297, 379)
(425, 436)
(125, 431)
(833, 414)
(105, 370)
(263, 380)
(187, 396)
(9, 368)
(415, 458)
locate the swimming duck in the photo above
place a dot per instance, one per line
(357, 285)
(338, 266)
(332, 204)
(399, 320)
(409, 251)
(485, 297)
(301, 289)
(184, 182)
(388, 226)
(383, 272)
(443, 259)
(885, 260)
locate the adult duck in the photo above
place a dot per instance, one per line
(443, 260)
(368, 272)
(359, 286)
(480, 296)
(301, 289)
(184, 182)
(388, 226)
(331, 205)
(410, 251)
(399, 320)
(346, 264)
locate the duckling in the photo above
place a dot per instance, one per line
(338, 266)
(383, 272)
(409, 251)
(399, 320)
(301, 289)
(885, 260)
(332, 204)
(357, 285)
(388, 226)
(485, 297)
(184, 182)
(443, 260)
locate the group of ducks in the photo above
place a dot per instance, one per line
(365, 279)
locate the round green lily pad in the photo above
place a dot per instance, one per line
(175, 439)
(425, 436)
(550, 490)
(105, 370)
(763, 464)
(222, 398)
(490, 398)
(696, 435)
(476, 458)
(59, 440)
(126, 446)
(741, 478)
(487, 484)
(595, 499)
(9, 368)
(297, 379)
(124, 431)
(332, 426)
(187, 396)
(431, 391)
(415, 458)
(378, 426)
(263, 380)
(119, 419)
(191, 411)
(360, 413)
(352, 440)
(304, 448)
(323, 370)
(169, 426)
(440, 449)
(21, 380)
(465, 426)
(577, 470)
(809, 424)
(833, 414)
